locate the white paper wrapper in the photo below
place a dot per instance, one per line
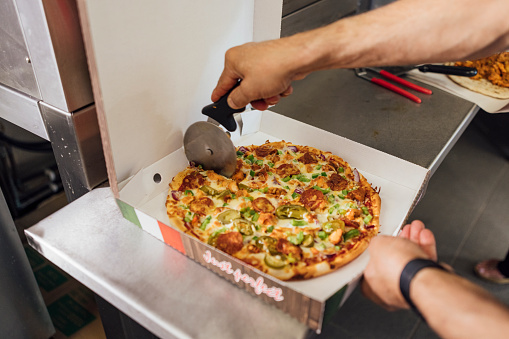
(441, 81)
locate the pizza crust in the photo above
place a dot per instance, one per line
(482, 86)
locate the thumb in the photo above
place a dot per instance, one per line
(238, 98)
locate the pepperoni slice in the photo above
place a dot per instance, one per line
(192, 180)
(359, 194)
(201, 206)
(230, 243)
(265, 150)
(308, 158)
(337, 182)
(263, 205)
(312, 198)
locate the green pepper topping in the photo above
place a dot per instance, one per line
(324, 191)
(296, 239)
(314, 176)
(271, 164)
(365, 210)
(322, 235)
(299, 223)
(270, 229)
(301, 178)
(239, 153)
(205, 223)
(344, 192)
(228, 216)
(275, 261)
(318, 167)
(295, 195)
(368, 218)
(208, 190)
(290, 212)
(252, 173)
(213, 237)
(308, 241)
(341, 170)
(186, 192)
(351, 234)
(259, 162)
(245, 227)
(331, 226)
(286, 179)
(255, 217)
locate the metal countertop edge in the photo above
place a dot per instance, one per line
(454, 138)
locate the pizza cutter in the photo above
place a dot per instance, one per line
(222, 113)
(208, 145)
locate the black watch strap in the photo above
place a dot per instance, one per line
(408, 274)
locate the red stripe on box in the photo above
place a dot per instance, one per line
(172, 237)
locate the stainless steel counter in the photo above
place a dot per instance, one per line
(340, 102)
(173, 296)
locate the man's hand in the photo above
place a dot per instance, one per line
(266, 69)
(388, 257)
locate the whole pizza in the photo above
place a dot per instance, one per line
(294, 212)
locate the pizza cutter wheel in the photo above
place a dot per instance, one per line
(207, 145)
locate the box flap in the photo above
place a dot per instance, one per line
(154, 65)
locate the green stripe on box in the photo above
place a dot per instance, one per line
(332, 304)
(128, 212)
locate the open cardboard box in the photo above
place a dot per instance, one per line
(142, 201)
(153, 66)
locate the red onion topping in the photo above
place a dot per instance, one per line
(293, 149)
(176, 195)
(355, 175)
(323, 157)
(243, 149)
(299, 190)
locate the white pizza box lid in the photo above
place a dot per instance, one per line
(154, 65)
(401, 184)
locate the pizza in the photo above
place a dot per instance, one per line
(291, 211)
(492, 77)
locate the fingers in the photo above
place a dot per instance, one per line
(416, 228)
(417, 233)
(428, 244)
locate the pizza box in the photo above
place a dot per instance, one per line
(153, 66)
(142, 201)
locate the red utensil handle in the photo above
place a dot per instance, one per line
(405, 83)
(396, 89)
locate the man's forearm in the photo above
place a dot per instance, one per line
(456, 308)
(408, 32)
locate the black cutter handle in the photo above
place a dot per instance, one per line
(452, 70)
(222, 113)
